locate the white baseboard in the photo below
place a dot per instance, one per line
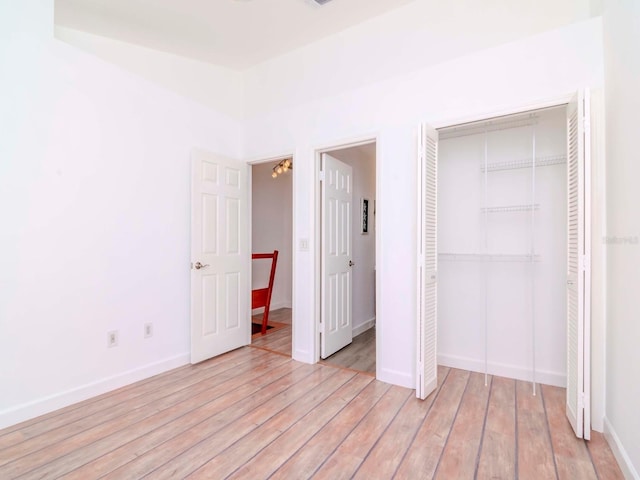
(503, 370)
(628, 470)
(274, 306)
(364, 326)
(26, 411)
(396, 377)
(303, 356)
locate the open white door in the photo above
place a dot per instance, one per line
(427, 368)
(336, 264)
(578, 265)
(219, 256)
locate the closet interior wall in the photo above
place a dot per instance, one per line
(502, 237)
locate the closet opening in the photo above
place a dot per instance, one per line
(502, 232)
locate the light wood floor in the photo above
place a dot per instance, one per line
(255, 414)
(278, 339)
(360, 355)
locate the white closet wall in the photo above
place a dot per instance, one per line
(496, 302)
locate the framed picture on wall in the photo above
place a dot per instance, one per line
(364, 216)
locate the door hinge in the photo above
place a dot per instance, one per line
(321, 327)
(581, 401)
(321, 175)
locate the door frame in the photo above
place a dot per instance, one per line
(597, 385)
(513, 110)
(292, 259)
(317, 238)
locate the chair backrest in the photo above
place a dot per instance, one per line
(261, 297)
(274, 260)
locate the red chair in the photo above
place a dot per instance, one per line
(261, 297)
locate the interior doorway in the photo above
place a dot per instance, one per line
(348, 257)
(272, 230)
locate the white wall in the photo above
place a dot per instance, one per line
(622, 102)
(215, 87)
(543, 66)
(271, 229)
(94, 201)
(420, 34)
(363, 161)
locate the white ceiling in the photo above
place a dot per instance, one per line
(233, 33)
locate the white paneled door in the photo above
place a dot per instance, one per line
(427, 369)
(219, 256)
(578, 265)
(336, 264)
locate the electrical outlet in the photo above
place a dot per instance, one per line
(148, 330)
(112, 338)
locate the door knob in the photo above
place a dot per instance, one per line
(198, 265)
(351, 264)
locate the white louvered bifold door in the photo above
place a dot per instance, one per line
(427, 370)
(578, 273)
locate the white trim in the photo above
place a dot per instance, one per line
(303, 356)
(59, 400)
(628, 470)
(294, 256)
(317, 245)
(271, 158)
(379, 278)
(395, 377)
(557, 379)
(364, 326)
(348, 142)
(511, 110)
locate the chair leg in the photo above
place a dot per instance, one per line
(265, 319)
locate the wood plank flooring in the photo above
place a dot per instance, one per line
(276, 340)
(360, 355)
(256, 414)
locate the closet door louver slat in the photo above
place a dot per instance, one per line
(578, 253)
(428, 262)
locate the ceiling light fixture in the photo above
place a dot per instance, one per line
(282, 166)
